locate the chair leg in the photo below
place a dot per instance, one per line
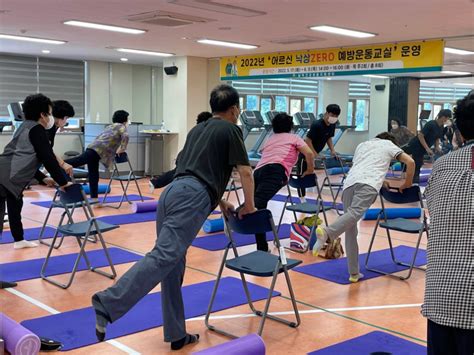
(138, 188)
(112, 275)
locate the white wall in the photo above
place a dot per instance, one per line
(98, 94)
(378, 111)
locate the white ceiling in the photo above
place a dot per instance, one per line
(392, 20)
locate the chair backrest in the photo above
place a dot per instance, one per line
(72, 194)
(258, 222)
(410, 195)
(307, 181)
(121, 158)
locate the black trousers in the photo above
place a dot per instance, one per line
(14, 206)
(418, 157)
(443, 340)
(269, 179)
(92, 159)
(301, 167)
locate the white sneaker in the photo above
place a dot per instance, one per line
(24, 244)
(303, 199)
(356, 278)
(321, 237)
(152, 187)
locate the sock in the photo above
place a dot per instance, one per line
(188, 339)
(101, 318)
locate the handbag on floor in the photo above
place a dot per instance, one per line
(332, 250)
(301, 233)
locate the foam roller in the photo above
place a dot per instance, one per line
(213, 225)
(18, 340)
(101, 190)
(392, 213)
(249, 345)
(146, 206)
(336, 171)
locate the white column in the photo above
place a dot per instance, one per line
(378, 110)
(334, 92)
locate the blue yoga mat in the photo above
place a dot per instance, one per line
(29, 234)
(372, 343)
(128, 218)
(30, 269)
(336, 270)
(392, 213)
(282, 198)
(109, 199)
(76, 328)
(219, 241)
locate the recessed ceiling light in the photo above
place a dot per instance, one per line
(139, 51)
(375, 76)
(46, 51)
(124, 59)
(343, 31)
(457, 51)
(98, 26)
(463, 84)
(455, 72)
(31, 39)
(227, 44)
(430, 81)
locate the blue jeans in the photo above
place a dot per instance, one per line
(182, 209)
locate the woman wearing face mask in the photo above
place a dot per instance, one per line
(401, 133)
(28, 149)
(113, 140)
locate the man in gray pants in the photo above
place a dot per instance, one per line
(361, 188)
(211, 151)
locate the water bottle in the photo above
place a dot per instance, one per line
(163, 129)
(97, 117)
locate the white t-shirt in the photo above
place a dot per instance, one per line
(371, 162)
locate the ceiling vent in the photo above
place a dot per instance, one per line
(167, 19)
(213, 6)
(296, 40)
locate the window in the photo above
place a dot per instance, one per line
(281, 103)
(252, 102)
(266, 104)
(295, 106)
(358, 114)
(310, 104)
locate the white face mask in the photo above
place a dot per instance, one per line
(394, 126)
(332, 119)
(50, 123)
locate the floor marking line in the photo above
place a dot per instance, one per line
(51, 310)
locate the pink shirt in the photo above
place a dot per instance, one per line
(281, 148)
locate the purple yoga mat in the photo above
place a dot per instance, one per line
(335, 270)
(251, 344)
(424, 177)
(374, 342)
(29, 234)
(109, 199)
(76, 328)
(219, 241)
(18, 340)
(282, 198)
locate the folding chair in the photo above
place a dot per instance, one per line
(297, 182)
(74, 196)
(123, 159)
(232, 186)
(410, 195)
(256, 263)
(334, 162)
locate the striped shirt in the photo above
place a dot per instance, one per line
(449, 291)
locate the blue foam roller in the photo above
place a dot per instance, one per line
(249, 345)
(101, 190)
(336, 171)
(392, 213)
(397, 166)
(213, 225)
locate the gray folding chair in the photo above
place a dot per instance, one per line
(123, 178)
(232, 186)
(410, 195)
(256, 263)
(335, 187)
(316, 207)
(74, 196)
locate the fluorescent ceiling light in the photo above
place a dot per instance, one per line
(124, 59)
(430, 81)
(227, 44)
(98, 26)
(31, 39)
(375, 76)
(463, 84)
(455, 72)
(46, 51)
(139, 51)
(457, 51)
(343, 31)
